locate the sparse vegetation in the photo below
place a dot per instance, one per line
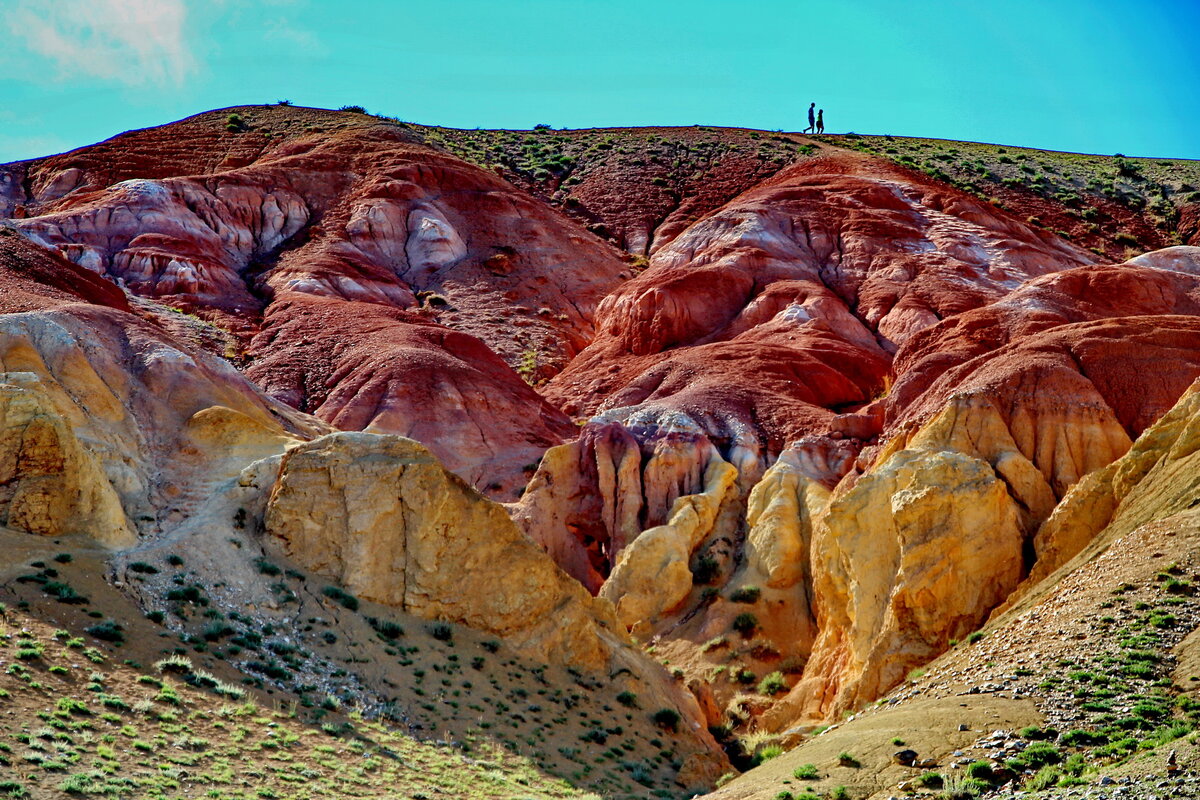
(667, 719)
(774, 683)
(745, 594)
(746, 624)
(806, 772)
(341, 597)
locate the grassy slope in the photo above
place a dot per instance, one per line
(79, 720)
(1106, 658)
(1114, 205)
(477, 712)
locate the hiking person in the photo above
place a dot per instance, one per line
(821, 121)
(812, 123)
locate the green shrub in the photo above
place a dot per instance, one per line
(847, 760)
(706, 569)
(666, 718)
(1040, 754)
(187, 594)
(1082, 738)
(386, 628)
(628, 699)
(1045, 778)
(107, 631)
(176, 663)
(353, 109)
(931, 780)
(143, 567)
(746, 594)
(774, 683)
(980, 770)
(63, 593)
(745, 624)
(63, 558)
(441, 631)
(806, 772)
(767, 753)
(341, 596)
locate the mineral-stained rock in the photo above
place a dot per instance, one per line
(591, 498)
(160, 423)
(366, 366)
(290, 237)
(1155, 479)
(918, 552)
(33, 279)
(380, 515)
(652, 574)
(765, 286)
(49, 483)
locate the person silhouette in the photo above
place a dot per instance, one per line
(812, 123)
(821, 121)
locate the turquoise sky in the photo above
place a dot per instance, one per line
(1096, 76)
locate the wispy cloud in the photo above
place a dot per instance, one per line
(133, 42)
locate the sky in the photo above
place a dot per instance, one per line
(1094, 76)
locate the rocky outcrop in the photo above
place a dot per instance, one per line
(652, 574)
(365, 366)
(1082, 336)
(177, 239)
(288, 238)
(383, 518)
(114, 402)
(591, 498)
(33, 279)
(834, 388)
(1155, 479)
(918, 552)
(49, 484)
(767, 284)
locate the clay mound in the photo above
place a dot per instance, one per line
(353, 208)
(200, 144)
(296, 210)
(814, 278)
(1106, 204)
(363, 366)
(1128, 330)
(32, 279)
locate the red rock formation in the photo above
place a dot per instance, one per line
(825, 368)
(760, 320)
(1120, 337)
(366, 366)
(32, 279)
(248, 227)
